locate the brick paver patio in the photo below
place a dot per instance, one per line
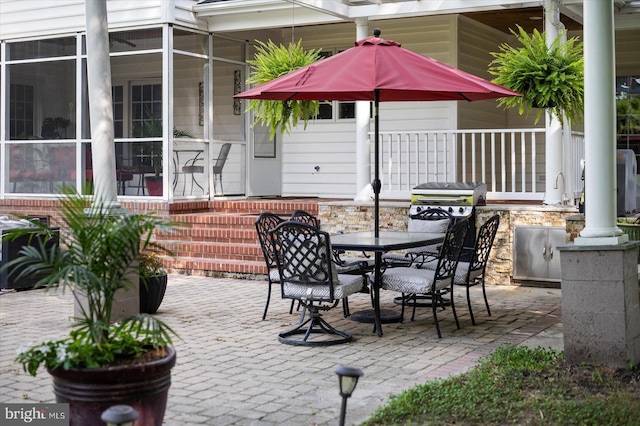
(231, 369)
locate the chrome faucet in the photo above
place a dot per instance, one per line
(565, 200)
(555, 186)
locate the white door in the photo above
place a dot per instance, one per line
(265, 164)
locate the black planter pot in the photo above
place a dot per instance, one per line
(152, 293)
(90, 391)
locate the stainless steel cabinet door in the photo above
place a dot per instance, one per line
(534, 252)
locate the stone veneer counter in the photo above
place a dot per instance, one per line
(351, 216)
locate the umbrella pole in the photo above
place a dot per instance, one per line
(376, 182)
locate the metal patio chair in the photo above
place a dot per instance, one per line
(307, 273)
(432, 282)
(266, 222)
(430, 220)
(472, 273)
(343, 266)
(219, 165)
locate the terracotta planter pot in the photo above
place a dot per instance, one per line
(90, 391)
(152, 293)
(154, 185)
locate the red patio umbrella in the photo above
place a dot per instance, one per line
(377, 70)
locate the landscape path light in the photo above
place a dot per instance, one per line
(347, 379)
(119, 415)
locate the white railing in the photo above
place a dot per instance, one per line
(510, 161)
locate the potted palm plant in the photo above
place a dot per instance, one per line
(153, 282)
(100, 363)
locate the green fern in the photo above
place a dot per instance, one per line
(548, 77)
(272, 61)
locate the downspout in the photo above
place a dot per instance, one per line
(554, 192)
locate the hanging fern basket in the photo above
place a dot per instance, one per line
(272, 61)
(549, 77)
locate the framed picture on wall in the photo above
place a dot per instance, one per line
(201, 104)
(237, 88)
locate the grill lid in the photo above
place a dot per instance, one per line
(450, 193)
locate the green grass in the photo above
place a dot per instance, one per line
(518, 385)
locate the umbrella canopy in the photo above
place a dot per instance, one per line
(377, 70)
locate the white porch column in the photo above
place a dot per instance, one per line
(363, 144)
(554, 176)
(100, 109)
(599, 127)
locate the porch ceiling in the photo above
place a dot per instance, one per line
(528, 18)
(229, 15)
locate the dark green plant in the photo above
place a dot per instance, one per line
(272, 61)
(150, 265)
(98, 248)
(151, 127)
(628, 116)
(55, 128)
(548, 77)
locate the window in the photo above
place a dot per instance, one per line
(20, 111)
(118, 111)
(146, 110)
(628, 113)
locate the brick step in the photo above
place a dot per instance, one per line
(214, 219)
(217, 250)
(220, 237)
(238, 235)
(205, 266)
(257, 206)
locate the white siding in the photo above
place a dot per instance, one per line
(475, 43)
(37, 18)
(330, 144)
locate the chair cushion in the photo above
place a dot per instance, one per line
(418, 225)
(411, 280)
(347, 285)
(396, 258)
(274, 275)
(367, 262)
(461, 271)
(347, 268)
(461, 274)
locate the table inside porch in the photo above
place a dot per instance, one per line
(386, 241)
(187, 166)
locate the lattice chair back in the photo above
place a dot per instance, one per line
(450, 254)
(305, 262)
(265, 223)
(305, 217)
(486, 235)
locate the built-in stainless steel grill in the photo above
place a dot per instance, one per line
(458, 198)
